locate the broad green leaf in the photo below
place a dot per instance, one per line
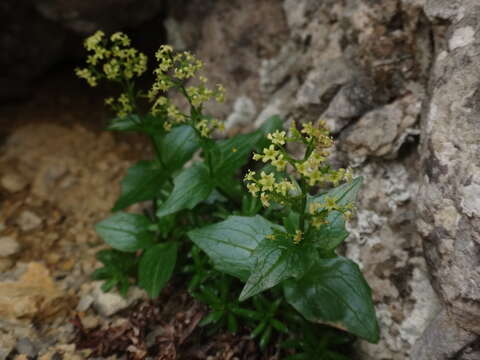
(231, 243)
(343, 194)
(329, 236)
(230, 155)
(191, 186)
(142, 182)
(126, 232)
(334, 292)
(156, 267)
(273, 123)
(275, 261)
(177, 147)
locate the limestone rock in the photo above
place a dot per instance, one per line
(33, 296)
(444, 339)
(449, 196)
(244, 111)
(25, 346)
(8, 246)
(382, 131)
(384, 241)
(67, 180)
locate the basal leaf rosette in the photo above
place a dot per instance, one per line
(292, 180)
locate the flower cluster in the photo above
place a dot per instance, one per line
(306, 174)
(112, 59)
(313, 168)
(268, 187)
(172, 72)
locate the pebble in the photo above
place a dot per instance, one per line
(28, 220)
(110, 303)
(85, 302)
(8, 246)
(5, 264)
(25, 346)
(13, 182)
(7, 344)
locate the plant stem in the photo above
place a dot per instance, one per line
(302, 212)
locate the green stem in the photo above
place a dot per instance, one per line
(302, 212)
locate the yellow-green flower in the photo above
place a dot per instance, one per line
(284, 187)
(270, 154)
(265, 199)
(330, 203)
(250, 176)
(277, 137)
(253, 189)
(87, 75)
(280, 163)
(267, 181)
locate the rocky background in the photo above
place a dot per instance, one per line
(397, 80)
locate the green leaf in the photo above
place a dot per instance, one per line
(191, 186)
(231, 243)
(275, 261)
(329, 236)
(334, 292)
(142, 182)
(126, 232)
(177, 147)
(156, 267)
(230, 155)
(343, 194)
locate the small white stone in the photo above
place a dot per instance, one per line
(13, 182)
(110, 303)
(8, 246)
(28, 220)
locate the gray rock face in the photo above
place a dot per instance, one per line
(381, 132)
(449, 196)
